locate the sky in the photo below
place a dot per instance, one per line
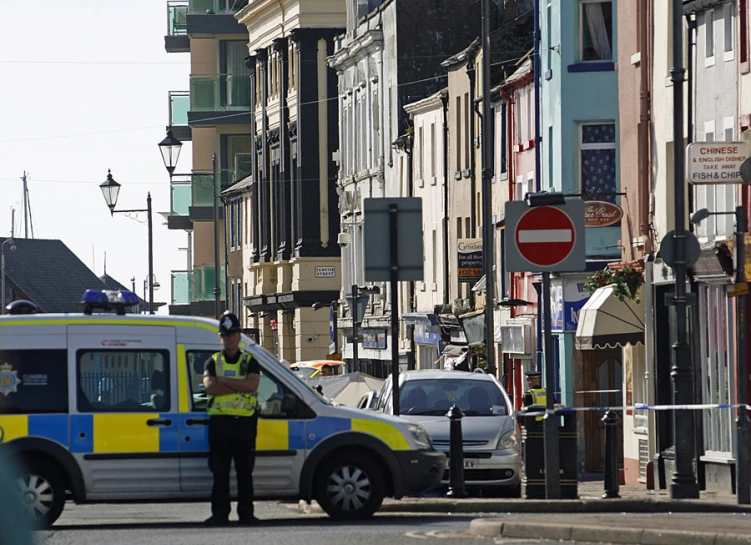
(84, 88)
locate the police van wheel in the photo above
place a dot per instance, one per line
(42, 492)
(350, 487)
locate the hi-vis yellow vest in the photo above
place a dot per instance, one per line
(236, 404)
(539, 396)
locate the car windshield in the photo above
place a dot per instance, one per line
(251, 346)
(303, 372)
(436, 396)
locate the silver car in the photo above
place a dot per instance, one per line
(490, 436)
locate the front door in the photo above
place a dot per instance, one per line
(280, 443)
(123, 426)
(603, 386)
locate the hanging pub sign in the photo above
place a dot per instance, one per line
(470, 259)
(601, 214)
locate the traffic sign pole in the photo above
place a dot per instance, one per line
(550, 423)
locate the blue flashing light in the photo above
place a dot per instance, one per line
(108, 299)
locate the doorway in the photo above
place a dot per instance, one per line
(602, 387)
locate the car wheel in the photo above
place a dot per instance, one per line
(350, 487)
(42, 493)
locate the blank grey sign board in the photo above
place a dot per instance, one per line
(376, 235)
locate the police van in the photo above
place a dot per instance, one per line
(104, 406)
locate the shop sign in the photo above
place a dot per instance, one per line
(601, 214)
(470, 260)
(427, 334)
(567, 297)
(374, 338)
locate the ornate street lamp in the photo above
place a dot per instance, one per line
(170, 149)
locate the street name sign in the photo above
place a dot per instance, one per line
(716, 162)
(545, 238)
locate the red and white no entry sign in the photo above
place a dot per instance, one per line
(545, 236)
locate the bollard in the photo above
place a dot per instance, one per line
(611, 455)
(456, 454)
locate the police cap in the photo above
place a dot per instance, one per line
(228, 324)
(533, 374)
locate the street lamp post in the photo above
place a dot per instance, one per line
(170, 148)
(742, 487)
(145, 284)
(12, 248)
(111, 189)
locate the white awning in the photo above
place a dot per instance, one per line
(607, 322)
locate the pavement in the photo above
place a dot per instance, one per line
(639, 516)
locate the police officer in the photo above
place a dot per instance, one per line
(231, 378)
(535, 394)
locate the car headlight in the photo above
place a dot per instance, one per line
(420, 437)
(507, 441)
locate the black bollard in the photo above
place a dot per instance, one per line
(456, 454)
(611, 455)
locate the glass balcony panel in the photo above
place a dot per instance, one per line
(182, 287)
(202, 191)
(243, 165)
(217, 6)
(179, 106)
(181, 199)
(203, 283)
(226, 178)
(177, 18)
(220, 92)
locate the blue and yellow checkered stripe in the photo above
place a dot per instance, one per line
(129, 433)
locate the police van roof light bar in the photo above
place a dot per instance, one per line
(108, 300)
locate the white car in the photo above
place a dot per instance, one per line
(490, 436)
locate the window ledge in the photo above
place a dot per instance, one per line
(596, 66)
(718, 458)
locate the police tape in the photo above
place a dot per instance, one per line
(640, 407)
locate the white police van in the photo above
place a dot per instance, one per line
(101, 407)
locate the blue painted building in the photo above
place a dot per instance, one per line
(579, 154)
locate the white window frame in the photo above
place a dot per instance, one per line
(709, 38)
(598, 146)
(728, 27)
(582, 4)
(519, 189)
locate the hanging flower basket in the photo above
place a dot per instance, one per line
(626, 282)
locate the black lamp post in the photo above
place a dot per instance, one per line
(170, 148)
(111, 189)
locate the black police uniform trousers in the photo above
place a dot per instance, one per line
(232, 437)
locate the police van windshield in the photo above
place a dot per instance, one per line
(247, 343)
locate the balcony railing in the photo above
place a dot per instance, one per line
(177, 18)
(196, 285)
(220, 92)
(182, 287)
(203, 283)
(179, 104)
(180, 198)
(217, 6)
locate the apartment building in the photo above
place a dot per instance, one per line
(214, 115)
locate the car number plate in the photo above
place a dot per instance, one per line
(470, 463)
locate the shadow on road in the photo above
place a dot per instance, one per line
(378, 520)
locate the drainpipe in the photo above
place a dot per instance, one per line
(410, 329)
(508, 96)
(472, 188)
(691, 23)
(446, 216)
(644, 117)
(538, 158)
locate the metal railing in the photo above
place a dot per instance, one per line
(220, 92)
(177, 17)
(179, 105)
(217, 6)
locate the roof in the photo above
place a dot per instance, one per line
(49, 274)
(463, 55)
(442, 375)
